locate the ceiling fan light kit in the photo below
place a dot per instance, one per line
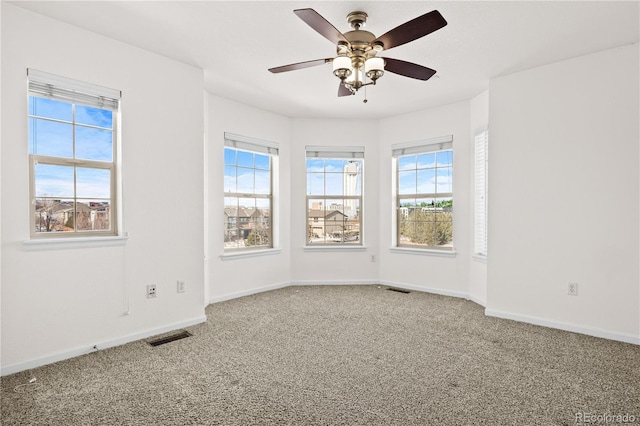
(356, 50)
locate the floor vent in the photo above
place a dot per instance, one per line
(167, 339)
(399, 290)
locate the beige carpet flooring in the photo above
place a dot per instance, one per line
(339, 355)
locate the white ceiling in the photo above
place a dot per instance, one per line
(235, 42)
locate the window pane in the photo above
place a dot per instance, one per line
(425, 209)
(230, 178)
(50, 138)
(93, 215)
(407, 182)
(231, 234)
(314, 165)
(333, 183)
(94, 144)
(262, 161)
(445, 180)
(427, 181)
(351, 178)
(53, 215)
(94, 116)
(407, 163)
(315, 183)
(100, 215)
(333, 165)
(443, 228)
(315, 217)
(263, 182)
(53, 180)
(245, 181)
(259, 226)
(406, 230)
(245, 158)
(93, 183)
(49, 108)
(230, 156)
(445, 158)
(427, 161)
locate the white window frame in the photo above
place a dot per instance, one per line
(443, 143)
(336, 153)
(481, 191)
(245, 143)
(74, 92)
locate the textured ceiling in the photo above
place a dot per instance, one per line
(235, 42)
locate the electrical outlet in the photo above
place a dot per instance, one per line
(151, 291)
(373, 257)
(180, 287)
(573, 289)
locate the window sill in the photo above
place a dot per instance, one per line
(249, 253)
(334, 248)
(481, 258)
(424, 252)
(74, 242)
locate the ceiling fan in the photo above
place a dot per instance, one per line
(357, 49)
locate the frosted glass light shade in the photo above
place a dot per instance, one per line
(341, 63)
(374, 64)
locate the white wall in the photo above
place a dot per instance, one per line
(479, 118)
(349, 265)
(566, 134)
(564, 192)
(447, 275)
(60, 302)
(235, 277)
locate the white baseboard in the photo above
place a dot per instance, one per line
(424, 289)
(334, 282)
(83, 350)
(249, 292)
(621, 337)
(477, 300)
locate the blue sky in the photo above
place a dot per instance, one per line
(426, 173)
(325, 177)
(51, 133)
(246, 172)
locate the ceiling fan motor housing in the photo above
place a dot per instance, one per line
(361, 47)
(357, 19)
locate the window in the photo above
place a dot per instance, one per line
(248, 193)
(72, 155)
(424, 194)
(481, 191)
(334, 195)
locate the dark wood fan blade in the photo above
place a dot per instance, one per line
(343, 91)
(408, 69)
(300, 65)
(321, 25)
(412, 30)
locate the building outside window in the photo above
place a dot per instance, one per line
(72, 157)
(334, 195)
(424, 194)
(248, 193)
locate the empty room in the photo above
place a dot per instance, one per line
(320, 213)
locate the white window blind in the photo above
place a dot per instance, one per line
(481, 191)
(423, 146)
(246, 143)
(341, 152)
(60, 88)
